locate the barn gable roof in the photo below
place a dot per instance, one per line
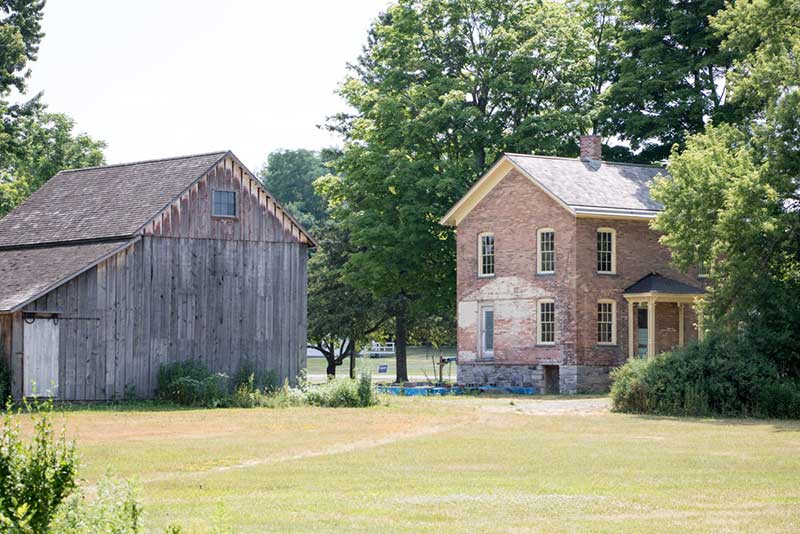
(80, 216)
(583, 188)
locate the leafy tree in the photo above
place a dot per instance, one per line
(34, 144)
(20, 35)
(290, 175)
(46, 145)
(670, 78)
(340, 315)
(734, 200)
(441, 89)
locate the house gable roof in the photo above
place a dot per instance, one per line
(585, 189)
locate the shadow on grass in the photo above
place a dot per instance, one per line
(780, 425)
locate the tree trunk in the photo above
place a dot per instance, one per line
(400, 345)
(352, 360)
(331, 370)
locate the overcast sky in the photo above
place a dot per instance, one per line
(159, 78)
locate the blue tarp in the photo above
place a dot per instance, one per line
(412, 391)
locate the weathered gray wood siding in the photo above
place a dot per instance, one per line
(165, 299)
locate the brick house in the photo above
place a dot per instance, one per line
(560, 277)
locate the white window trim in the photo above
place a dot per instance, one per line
(539, 233)
(613, 249)
(539, 322)
(483, 353)
(613, 322)
(481, 274)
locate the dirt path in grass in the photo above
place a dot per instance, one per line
(340, 448)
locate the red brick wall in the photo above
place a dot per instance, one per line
(514, 210)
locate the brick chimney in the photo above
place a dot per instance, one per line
(591, 149)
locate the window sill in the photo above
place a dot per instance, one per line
(485, 276)
(226, 217)
(606, 345)
(545, 345)
(546, 273)
(603, 273)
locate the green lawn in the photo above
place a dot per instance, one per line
(419, 365)
(464, 464)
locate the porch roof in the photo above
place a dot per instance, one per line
(657, 284)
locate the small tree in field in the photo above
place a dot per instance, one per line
(35, 477)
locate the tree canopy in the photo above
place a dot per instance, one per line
(734, 197)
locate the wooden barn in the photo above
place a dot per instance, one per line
(107, 273)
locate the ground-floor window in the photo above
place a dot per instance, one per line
(606, 322)
(546, 323)
(487, 332)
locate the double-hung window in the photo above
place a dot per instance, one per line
(546, 322)
(486, 254)
(606, 322)
(606, 251)
(547, 251)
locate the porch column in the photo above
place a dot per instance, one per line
(680, 324)
(630, 329)
(700, 326)
(651, 327)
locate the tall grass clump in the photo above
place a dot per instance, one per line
(708, 378)
(191, 383)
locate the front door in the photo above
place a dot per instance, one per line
(641, 331)
(40, 358)
(551, 380)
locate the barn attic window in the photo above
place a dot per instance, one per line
(224, 204)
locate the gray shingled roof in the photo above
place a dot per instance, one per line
(657, 283)
(28, 272)
(101, 202)
(593, 186)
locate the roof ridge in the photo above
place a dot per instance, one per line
(141, 162)
(619, 163)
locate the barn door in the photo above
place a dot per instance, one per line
(40, 359)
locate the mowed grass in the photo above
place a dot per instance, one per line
(464, 464)
(420, 365)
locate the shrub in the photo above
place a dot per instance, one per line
(115, 509)
(708, 378)
(191, 383)
(247, 374)
(5, 382)
(34, 477)
(343, 393)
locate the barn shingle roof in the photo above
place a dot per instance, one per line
(101, 202)
(26, 273)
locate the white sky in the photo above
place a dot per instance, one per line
(160, 78)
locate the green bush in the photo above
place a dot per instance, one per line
(708, 378)
(190, 383)
(265, 380)
(35, 477)
(115, 509)
(343, 393)
(5, 383)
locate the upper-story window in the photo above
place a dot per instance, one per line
(606, 322)
(546, 323)
(224, 204)
(547, 251)
(702, 270)
(606, 251)
(486, 254)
